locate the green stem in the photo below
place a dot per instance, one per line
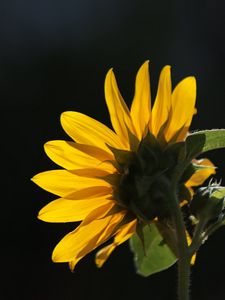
(183, 278)
(197, 237)
(183, 250)
(184, 257)
(213, 228)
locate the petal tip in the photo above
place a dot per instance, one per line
(56, 257)
(50, 145)
(167, 67)
(109, 74)
(64, 115)
(193, 79)
(144, 67)
(47, 146)
(40, 217)
(190, 80)
(41, 214)
(34, 178)
(67, 115)
(146, 63)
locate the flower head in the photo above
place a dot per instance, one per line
(114, 180)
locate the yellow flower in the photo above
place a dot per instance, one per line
(98, 185)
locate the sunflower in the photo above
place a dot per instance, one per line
(114, 180)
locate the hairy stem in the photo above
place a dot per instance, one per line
(197, 237)
(183, 250)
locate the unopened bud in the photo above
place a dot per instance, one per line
(208, 202)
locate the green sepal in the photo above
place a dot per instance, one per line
(122, 157)
(112, 179)
(157, 255)
(150, 141)
(203, 141)
(173, 155)
(149, 153)
(114, 164)
(161, 134)
(133, 140)
(219, 194)
(178, 150)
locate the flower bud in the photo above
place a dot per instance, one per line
(208, 202)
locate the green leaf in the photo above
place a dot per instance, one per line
(203, 141)
(157, 255)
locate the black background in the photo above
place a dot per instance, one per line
(53, 57)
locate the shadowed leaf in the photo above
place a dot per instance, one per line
(203, 141)
(157, 255)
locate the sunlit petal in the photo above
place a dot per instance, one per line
(69, 156)
(124, 233)
(63, 210)
(119, 113)
(87, 236)
(162, 105)
(183, 107)
(85, 130)
(202, 174)
(141, 105)
(62, 182)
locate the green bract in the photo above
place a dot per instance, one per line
(145, 179)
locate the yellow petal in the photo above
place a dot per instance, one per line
(189, 241)
(63, 210)
(162, 103)
(201, 175)
(89, 230)
(141, 105)
(119, 113)
(124, 233)
(193, 259)
(183, 203)
(86, 130)
(90, 172)
(73, 263)
(62, 182)
(91, 192)
(183, 107)
(92, 232)
(94, 151)
(103, 254)
(109, 231)
(67, 155)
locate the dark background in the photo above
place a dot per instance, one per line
(53, 57)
